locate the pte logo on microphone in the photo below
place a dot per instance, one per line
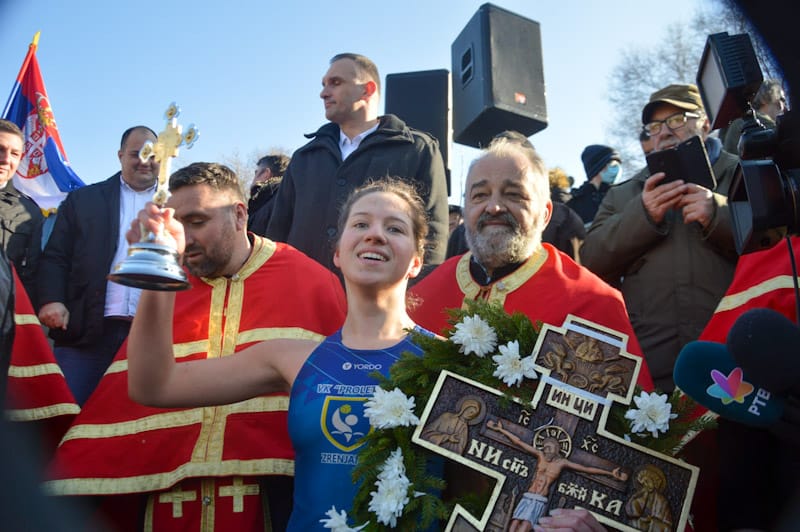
(729, 388)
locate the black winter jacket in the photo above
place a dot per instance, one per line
(587, 199)
(21, 222)
(317, 183)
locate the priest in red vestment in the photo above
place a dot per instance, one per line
(507, 206)
(210, 468)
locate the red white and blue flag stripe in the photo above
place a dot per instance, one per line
(44, 173)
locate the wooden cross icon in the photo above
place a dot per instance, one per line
(555, 452)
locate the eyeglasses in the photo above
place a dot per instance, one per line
(673, 122)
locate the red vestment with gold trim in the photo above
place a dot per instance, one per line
(36, 389)
(201, 465)
(546, 287)
(763, 279)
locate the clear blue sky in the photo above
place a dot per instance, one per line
(248, 73)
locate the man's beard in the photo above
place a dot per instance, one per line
(211, 262)
(495, 246)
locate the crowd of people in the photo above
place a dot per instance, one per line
(206, 409)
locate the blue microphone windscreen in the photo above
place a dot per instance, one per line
(706, 372)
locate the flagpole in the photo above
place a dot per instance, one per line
(31, 52)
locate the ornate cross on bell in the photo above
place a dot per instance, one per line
(150, 263)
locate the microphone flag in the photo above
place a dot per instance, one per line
(44, 173)
(706, 372)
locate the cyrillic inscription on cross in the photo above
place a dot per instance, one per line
(555, 453)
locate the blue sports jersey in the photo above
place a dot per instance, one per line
(327, 424)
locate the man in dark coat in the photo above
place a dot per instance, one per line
(268, 177)
(20, 218)
(88, 316)
(353, 147)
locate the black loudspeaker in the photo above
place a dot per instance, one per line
(498, 77)
(422, 100)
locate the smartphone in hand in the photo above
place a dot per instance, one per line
(688, 161)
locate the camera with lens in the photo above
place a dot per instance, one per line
(764, 197)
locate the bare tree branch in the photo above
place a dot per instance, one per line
(672, 58)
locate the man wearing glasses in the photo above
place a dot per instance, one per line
(768, 103)
(667, 245)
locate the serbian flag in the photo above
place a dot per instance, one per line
(44, 173)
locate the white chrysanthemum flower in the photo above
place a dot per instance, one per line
(394, 466)
(337, 522)
(387, 410)
(388, 501)
(474, 335)
(391, 497)
(653, 414)
(511, 369)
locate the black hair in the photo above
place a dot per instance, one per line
(130, 130)
(364, 65)
(277, 163)
(217, 176)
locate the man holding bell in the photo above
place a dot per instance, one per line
(224, 467)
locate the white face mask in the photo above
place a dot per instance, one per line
(610, 172)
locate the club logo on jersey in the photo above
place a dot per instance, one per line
(344, 423)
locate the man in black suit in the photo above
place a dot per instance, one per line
(88, 316)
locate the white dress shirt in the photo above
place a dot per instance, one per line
(122, 300)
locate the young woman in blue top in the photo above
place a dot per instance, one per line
(382, 230)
